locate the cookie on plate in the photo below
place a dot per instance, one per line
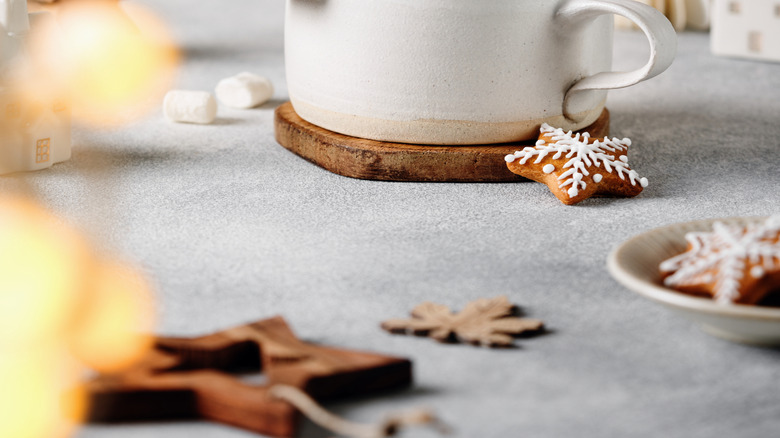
(732, 264)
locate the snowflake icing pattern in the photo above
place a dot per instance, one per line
(582, 152)
(724, 256)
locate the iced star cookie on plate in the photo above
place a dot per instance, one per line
(576, 167)
(635, 264)
(732, 263)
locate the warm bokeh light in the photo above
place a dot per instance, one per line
(42, 263)
(115, 62)
(118, 308)
(30, 403)
(61, 308)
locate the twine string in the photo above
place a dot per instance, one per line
(332, 422)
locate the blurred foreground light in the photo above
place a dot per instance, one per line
(39, 399)
(118, 308)
(43, 270)
(61, 308)
(115, 63)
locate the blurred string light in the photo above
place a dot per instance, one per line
(62, 308)
(112, 61)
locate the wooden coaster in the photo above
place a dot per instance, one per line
(378, 160)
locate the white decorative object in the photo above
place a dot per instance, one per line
(460, 71)
(746, 29)
(33, 134)
(185, 106)
(244, 90)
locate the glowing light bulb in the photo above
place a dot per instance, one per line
(61, 308)
(114, 64)
(37, 386)
(115, 333)
(43, 266)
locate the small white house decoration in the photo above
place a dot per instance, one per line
(33, 134)
(746, 29)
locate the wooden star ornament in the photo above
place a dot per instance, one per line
(576, 167)
(486, 322)
(198, 378)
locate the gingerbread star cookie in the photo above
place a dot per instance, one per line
(576, 167)
(731, 264)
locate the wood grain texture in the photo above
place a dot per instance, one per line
(197, 378)
(377, 160)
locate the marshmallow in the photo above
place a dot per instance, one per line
(244, 90)
(190, 106)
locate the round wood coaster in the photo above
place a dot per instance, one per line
(378, 160)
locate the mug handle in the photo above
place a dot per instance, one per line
(657, 28)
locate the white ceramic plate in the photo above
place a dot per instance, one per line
(635, 265)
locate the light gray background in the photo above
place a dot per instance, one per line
(231, 227)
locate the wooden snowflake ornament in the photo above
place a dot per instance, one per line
(576, 167)
(486, 322)
(732, 264)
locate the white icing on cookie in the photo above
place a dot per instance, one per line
(757, 272)
(597, 178)
(729, 251)
(581, 153)
(548, 168)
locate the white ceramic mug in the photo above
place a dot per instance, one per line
(453, 72)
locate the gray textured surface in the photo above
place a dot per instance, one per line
(231, 227)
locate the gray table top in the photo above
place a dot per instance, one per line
(231, 227)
